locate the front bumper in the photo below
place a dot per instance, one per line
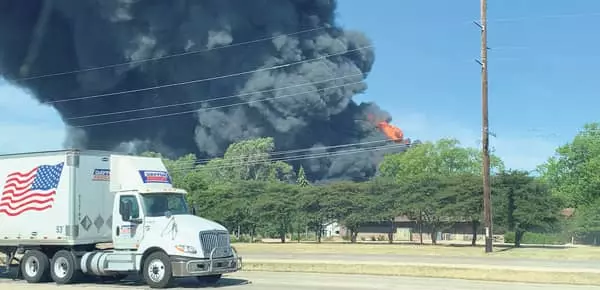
(188, 267)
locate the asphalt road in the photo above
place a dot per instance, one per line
(297, 281)
(435, 260)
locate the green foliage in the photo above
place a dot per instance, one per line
(574, 172)
(435, 183)
(353, 205)
(524, 204)
(248, 160)
(464, 197)
(442, 158)
(301, 180)
(573, 175)
(539, 238)
(276, 206)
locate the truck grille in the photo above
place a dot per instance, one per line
(219, 240)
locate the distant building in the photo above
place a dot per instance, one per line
(407, 230)
(331, 229)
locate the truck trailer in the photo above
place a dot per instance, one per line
(68, 214)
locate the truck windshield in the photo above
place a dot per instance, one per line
(158, 204)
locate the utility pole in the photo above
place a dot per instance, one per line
(487, 191)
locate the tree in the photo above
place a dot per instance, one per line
(300, 219)
(249, 160)
(426, 168)
(444, 158)
(524, 204)
(427, 203)
(354, 207)
(276, 206)
(318, 207)
(301, 180)
(587, 222)
(574, 172)
(464, 200)
(387, 202)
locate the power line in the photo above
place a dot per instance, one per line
(550, 16)
(291, 158)
(207, 79)
(209, 100)
(276, 153)
(174, 55)
(209, 108)
(168, 56)
(538, 17)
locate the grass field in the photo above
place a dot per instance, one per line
(433, 272)
(579, 253)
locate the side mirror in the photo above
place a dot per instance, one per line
(126, 212)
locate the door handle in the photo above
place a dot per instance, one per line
(117, 231)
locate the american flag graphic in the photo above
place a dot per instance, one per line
(33, 190)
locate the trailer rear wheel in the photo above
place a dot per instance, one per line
(63, 268)
(157, 270)
(35, 267)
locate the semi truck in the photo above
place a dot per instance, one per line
(68, 214)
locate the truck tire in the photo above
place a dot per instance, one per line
(157, 270)
(63, 268)
(210, 279)
(35, 267)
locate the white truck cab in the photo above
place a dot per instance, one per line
(161, 219)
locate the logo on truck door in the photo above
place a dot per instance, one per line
(101, 175)
(152, 176)
(30, 190)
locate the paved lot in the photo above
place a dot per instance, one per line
(297, 281)
(433, 260)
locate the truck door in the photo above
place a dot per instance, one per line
(128, 230)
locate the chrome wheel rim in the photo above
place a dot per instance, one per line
(32, 266)
(61, 267)
(156, 270)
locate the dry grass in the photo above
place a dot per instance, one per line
(580, 253)
(430, 271)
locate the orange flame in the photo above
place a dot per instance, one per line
(394, 133)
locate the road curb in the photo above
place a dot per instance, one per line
(435, 265)
(432, 271)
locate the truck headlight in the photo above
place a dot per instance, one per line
(186, 249)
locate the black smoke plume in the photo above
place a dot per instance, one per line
(41, 39)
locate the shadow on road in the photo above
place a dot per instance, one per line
(138, 281)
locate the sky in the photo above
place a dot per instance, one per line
(541, 69)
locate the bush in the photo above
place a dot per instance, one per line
(241, 239)
(538, 238)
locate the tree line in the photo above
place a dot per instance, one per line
(436, 184)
